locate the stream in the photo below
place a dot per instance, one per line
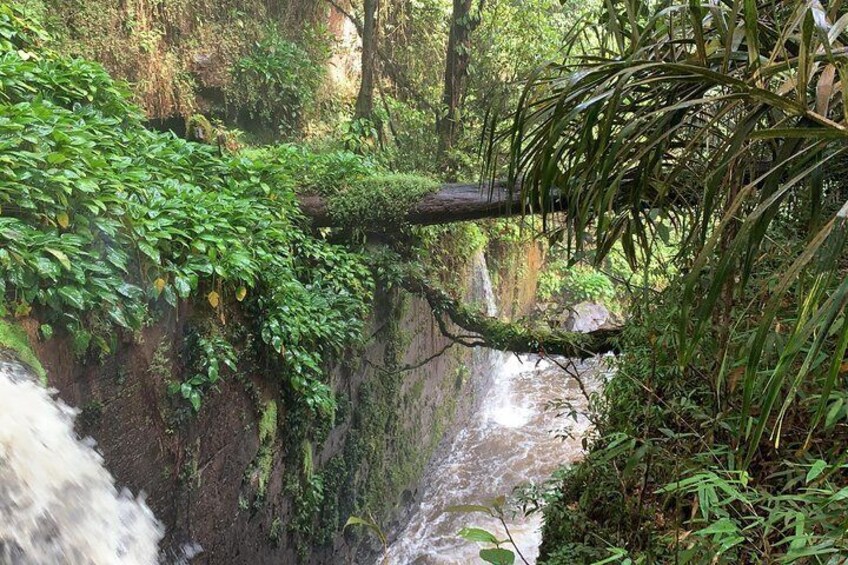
(511, 439)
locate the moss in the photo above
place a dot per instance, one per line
(461, 376)
(13, 337)
(91, 413)
(198, 128)
(387, 449)
(268, 423)
(276, 531)
(190, 473)
(160, 364)
(264, 462)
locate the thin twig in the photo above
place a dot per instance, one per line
(512, 541)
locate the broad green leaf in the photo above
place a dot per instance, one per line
(61, 256)
(497, 556)
(182, 286)
(478, 534)
(73, 296)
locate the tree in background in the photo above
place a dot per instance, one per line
(369, 32)
(464, 20)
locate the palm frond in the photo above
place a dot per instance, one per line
(723, 115)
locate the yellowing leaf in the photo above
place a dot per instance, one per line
(241, 293)
(22, 310)
(63, 259)
(214, 299)
(63, 220)
(159, 284)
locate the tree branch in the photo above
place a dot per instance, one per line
(509, 336)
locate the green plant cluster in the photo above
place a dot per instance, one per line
(278, 79)
(379, 200)
(445, 252)
(664, 480)
(104, 221)
(207, 353)
(576, 283)
(14, 338)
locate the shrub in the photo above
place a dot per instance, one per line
(278, 79)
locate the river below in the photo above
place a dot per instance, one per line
(513, 438)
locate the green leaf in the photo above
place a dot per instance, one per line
(479, 535)
(194, 398)
(46, 331)
(833, 412)
(118, 315)
(183, 287)
(722, 526)
(56, 158)
(816, 469)
(370, 524)
(73, 296)
(497, 556)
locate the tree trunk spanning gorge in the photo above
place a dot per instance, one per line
(451, 203)
(517, 337)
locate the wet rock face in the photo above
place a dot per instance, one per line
(194, 471)
(587, 317)
(583, 317)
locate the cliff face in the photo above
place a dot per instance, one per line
(225, 478)
(191, 56)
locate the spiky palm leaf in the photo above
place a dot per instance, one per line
(719, 114)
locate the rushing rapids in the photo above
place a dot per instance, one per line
(511, 439)
(58, 503)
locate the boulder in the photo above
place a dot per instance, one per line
(587, 317)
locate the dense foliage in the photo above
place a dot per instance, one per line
(105, 221)
(722, 438)
(275, 83)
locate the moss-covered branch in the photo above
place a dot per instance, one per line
(487, 331)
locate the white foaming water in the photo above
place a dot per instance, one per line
(58, 503)
(509, 441)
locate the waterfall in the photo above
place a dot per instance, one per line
(58, 503)
(509, 440)
(481, 284)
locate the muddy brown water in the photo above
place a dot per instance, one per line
(512, 439)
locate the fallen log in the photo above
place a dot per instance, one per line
(451, 203)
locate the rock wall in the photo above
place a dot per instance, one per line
(223, 479)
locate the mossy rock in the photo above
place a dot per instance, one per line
(14, 338)
(199, 129)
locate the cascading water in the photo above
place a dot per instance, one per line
(58, 504)
(508, 441)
